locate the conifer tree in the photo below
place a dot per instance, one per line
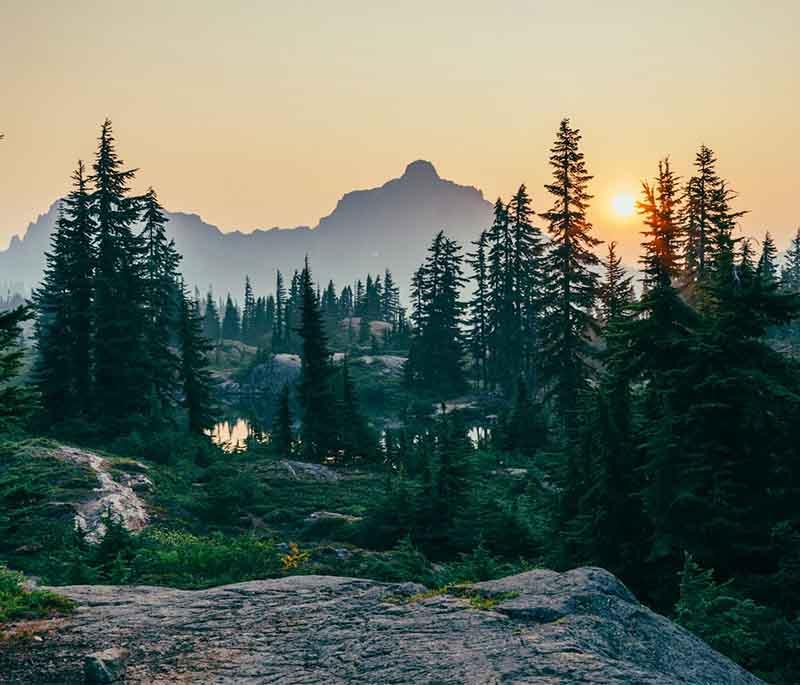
(767, 262)
(570, 271)
(280, 312)
(435, 358)
(790, 275)
(259, 329)
(269, 313)
(195, 377)
(211, 323)
(479, 308)
(346, 303)
(707, 216)
(526, 276)
(63, 304)
(699, 210)
(160, 299)
(615, 292)
(790, 282)
(660, 209)
(355, 439)
(119, 356)
(501, 342)
(359, 302)
(281, 438)
(523, 430)
(292, 313)
(231, 326)
(316, 393)
(81, 275)
(390, 301)
(16, 401)
(248, 313)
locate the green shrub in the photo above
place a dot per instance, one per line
(230, 489)
(180, 559)
(716, 613)
(18, 603)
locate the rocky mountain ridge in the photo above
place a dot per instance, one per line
(368, 231)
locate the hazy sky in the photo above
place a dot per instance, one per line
(256, 114)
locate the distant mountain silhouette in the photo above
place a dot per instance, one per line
(368, 231)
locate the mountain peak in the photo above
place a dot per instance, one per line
(421, 169)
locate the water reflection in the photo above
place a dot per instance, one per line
(234, 435)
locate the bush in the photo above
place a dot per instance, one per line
(18, 603)
(231, 488)
(714, 612)
(179, 559)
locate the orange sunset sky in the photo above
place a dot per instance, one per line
(255, 114)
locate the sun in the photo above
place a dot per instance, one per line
(623, 204)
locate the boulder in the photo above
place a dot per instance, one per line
(317, 516)
(107, 666)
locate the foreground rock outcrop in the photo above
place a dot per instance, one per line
(539, 627)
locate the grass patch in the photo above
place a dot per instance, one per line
(477, 599)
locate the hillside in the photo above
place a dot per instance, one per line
(368, 231)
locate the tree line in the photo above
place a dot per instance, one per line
(270, 321)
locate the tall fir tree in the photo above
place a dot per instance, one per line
(435, 357)
(390, 300)
(768, 261)
(708, 219)
(790, 274)
(212, 328)
(660, 208)
(526, 264)
(63, 302)
(16, 400)
(81, 275)
(480, 309)
(615, 292)
(160, 300)
(231, 324)
(570, 272)
(501, 342)
(119, 355)
(248, 313)
(698, 212)
(280, 312)
(195, 377)
(319, 430)
(355, 438)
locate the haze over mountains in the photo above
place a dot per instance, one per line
(368, 231)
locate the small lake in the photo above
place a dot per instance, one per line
(233, 434)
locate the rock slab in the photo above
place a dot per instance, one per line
(545, 628)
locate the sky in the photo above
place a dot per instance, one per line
(257, 114)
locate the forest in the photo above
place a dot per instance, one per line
(535, 404)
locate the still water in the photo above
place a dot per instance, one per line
(233, 434)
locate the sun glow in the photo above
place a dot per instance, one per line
(623, 204)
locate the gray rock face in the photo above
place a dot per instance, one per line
(107, 666)
(545, 628)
